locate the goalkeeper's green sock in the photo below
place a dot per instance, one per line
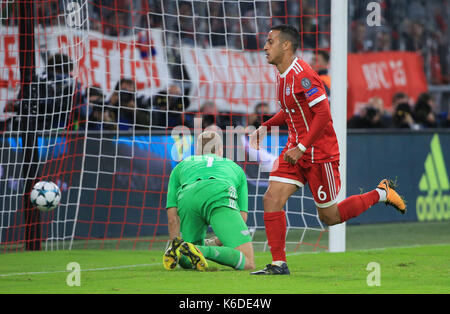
(185, 262)
(224, 256)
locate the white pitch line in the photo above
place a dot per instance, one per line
(91, 269)
(68, 271)
(156, 264)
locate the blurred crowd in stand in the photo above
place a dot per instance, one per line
(407, 25)
(405, 114)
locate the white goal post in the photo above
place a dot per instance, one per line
(338, 73)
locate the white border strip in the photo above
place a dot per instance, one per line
(317, 100)
(68, 271)
(286, 180)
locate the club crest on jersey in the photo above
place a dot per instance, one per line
(306, 83)
(288, 90)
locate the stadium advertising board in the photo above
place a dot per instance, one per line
(420, 165)
(127, 183)
(421, 174)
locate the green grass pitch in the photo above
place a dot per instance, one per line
(420, 268)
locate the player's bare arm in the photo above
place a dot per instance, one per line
(257, 137)
(173, 222)
(244, 216)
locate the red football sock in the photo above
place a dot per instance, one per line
(275, 223)
(357, 204)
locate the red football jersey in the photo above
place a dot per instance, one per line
(300, 92)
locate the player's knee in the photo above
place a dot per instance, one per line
(272, 200)
(329, 215)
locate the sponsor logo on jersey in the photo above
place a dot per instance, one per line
(288, 90)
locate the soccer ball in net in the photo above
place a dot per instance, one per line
(45, 195)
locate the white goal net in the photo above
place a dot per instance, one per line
(123, 76)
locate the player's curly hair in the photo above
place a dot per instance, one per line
(289, 33)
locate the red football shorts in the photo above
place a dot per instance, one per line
(323, 178)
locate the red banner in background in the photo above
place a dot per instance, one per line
(98, 59)
(382, 74)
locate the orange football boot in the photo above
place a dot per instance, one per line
(392, 197)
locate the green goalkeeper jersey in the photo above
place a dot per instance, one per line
(205, 167)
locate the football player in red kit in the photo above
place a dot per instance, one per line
(311, 154)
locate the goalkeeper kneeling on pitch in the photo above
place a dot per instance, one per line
(208, 190)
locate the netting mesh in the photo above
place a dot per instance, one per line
(121, 88)
(41, 104)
